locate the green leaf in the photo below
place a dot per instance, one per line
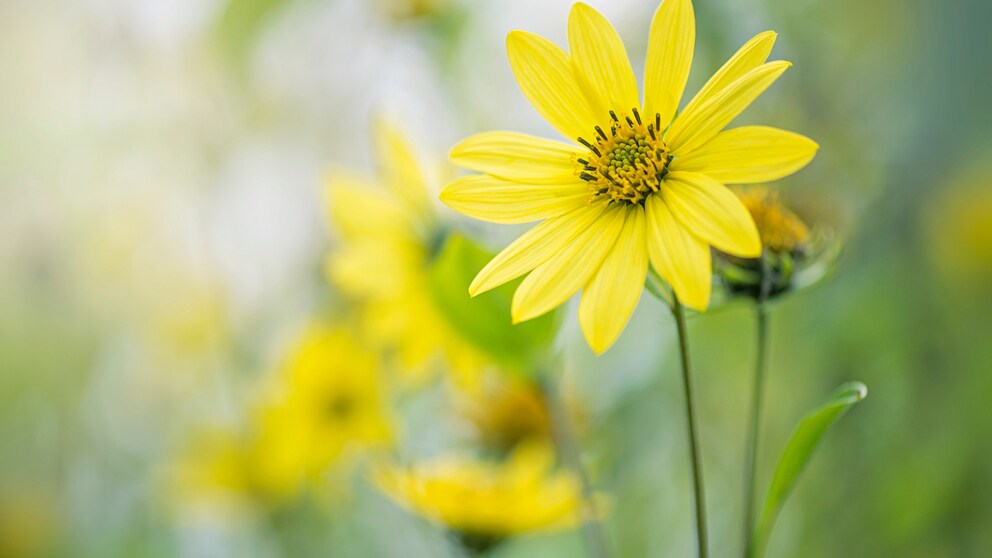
(484, 321)
(798, 451)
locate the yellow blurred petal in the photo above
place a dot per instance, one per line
(534, 248)
(611, 296)
(500, 201)
(600, 62)
(670, 47)
(750, 56)
(710, 211)
(360, 272)
(680, 257)
(515, 156)
(748, 155)
(399, 169)
(693, 129)
(568, 269)
(545, 76)
(357, 207)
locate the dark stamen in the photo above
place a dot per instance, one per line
(591, 147)
(613, 115)
(637, 115)
(602, 134)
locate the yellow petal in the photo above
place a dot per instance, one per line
(670, 47)
(680, 257)
(748, 57)
(748, 155)
(534, 248)
(611, 296)
(712, 212)
(692, 129)
(358, 208)
(399, 170)
(600, 62)
(515, 156)
(501, 201)
(544, 74)
(568, 269)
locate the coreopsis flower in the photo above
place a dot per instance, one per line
(323, 409)
(793, 255)
(507, 414)
(388, 236)
(485, 502)
(327, 405)
(634, 185)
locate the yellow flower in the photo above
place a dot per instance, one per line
(488, 500)
(508, 413)
(781, 230)
(328, 404)
(636, 186)
(388, 237)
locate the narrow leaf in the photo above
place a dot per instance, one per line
(798, 451)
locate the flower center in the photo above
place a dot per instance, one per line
(628, 163)
(338, 408)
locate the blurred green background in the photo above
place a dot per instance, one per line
(162, 237)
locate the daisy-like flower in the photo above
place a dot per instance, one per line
(388, 236)
(485, 502)
(635, 186)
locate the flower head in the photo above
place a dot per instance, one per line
(324, 407)
(388, 236)
(793, 255)
(488, 500)
(508, 414)
(636, 186)
(327, 403)
(781, 230)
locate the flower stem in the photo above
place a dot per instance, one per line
(697, 467)
(757, 397)
(565, 439)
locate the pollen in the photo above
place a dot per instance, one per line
(627, 163)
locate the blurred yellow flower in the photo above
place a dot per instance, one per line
(959, 229)
(636, 186)
(214, 469)
(388, 237)
(508, 413)
(323, 408)
(485, 500)
(330, 402)
(780, 229)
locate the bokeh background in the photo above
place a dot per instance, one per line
(163, 235)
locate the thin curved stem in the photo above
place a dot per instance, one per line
(694, 453)
(757, 398)
(564, 435)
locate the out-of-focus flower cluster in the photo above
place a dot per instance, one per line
(329, 410)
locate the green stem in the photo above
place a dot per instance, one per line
(757, 397)
(564, 435)
(697, 467)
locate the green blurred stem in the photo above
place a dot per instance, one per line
(757, 398)
(697, 467)
(568, 447)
